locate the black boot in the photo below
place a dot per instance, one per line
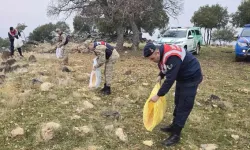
(168, 129)
(107, 91)
(104, 88)
(175, 136)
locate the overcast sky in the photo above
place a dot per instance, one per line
(33, 13)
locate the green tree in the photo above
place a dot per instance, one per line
(4, 42)
(242, 15)
(224, 34)
(21, 27)
(119, 14)
(80, 25)
(47, 31)
(210, 17)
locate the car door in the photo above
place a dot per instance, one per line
(190, 41)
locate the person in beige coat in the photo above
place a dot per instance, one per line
(108, 55)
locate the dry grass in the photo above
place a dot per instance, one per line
(30, 108)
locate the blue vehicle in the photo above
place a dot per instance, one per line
(242, 47)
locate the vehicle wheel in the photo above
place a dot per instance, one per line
(238, 59)
(197, 51)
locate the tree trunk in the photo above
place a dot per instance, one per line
(210, 36)
(207, 36)
(120, 37)
(136, 32)
(204, 37)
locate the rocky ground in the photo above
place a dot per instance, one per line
(43, 106)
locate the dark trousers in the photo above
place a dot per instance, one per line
(12, 48)
(184, 102)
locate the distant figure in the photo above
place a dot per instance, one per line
(14, 34)
(62, 41)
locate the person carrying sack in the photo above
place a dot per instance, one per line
(108, 55)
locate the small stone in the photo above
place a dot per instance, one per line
(215, 106)
(75, 117)
(46, 86)
(32, 58)
(119, 132)
(25, 65)
(34, 81)
(82, 130)
(17, 132)
(65, 69)
(235, 137)
(148, 143)
(128, 72)
(198, 103)
(111, 114)
(15, 67)
(109, 127)
(52, 96)
(145, 84)
(88, 105)
(76, 95)
(96, 98)
(48, 130)
(2, 78)
(209, 146)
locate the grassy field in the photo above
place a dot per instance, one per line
(212, 121)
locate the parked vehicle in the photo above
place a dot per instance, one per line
(242, 46)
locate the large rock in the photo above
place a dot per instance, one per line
(10, 61)
(46, 86)
(48, 130)
(32, 58)
(7, 68)
(5, 55)
(17, 132)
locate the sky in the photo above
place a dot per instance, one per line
(34, 13)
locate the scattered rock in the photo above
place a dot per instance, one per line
(10, 61)
(145, 84)
(25, 65)
(17, 132)
(148, 143)
(209, 146)
(76, 95)
(34, 81)
(119, 101)
(96, 98)
(75, 117)
(2, 78)
(52, 97)
(198, 103)
(48, 130)
(88, 105)
(32, 58)
(5, 55)
(15, 67)
(82, 130)
(111, 114)
(119, 132)
(214, 97)
(235, 137)
(128, 72)
(65, 69)
(46, 86)
(109, 127)
(7, 68)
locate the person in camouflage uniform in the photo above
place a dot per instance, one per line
(62, 41)
(108, 55)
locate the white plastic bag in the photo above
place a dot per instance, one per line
(59, 53)
(95, 76)
(18, 42)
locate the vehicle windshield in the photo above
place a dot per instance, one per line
(175, 34)
(245, 32)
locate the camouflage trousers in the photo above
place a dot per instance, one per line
(65, 54)
(109, 65)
